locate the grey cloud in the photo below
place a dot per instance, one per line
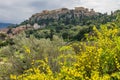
(40, 5)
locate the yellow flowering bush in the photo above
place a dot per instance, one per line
(98, 58)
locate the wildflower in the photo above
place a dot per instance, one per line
(13, 77)
(27, 49)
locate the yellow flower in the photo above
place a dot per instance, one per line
(13, 77)
(94, 28)
(27, 49)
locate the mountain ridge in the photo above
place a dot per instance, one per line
(4, 25)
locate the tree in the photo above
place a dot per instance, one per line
(51, 34)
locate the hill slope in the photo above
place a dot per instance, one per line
(70, 24)
(78, 16)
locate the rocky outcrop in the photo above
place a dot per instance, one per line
(63, 11)
(10, 32)
(47, 16)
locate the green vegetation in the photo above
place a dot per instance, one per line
(97, 58)
(69, 28)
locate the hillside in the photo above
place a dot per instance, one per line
(77, 16)
(69, 24)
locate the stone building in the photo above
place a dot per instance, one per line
(79, 8)
(45, 12)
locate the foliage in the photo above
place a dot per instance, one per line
(25, 50)
(96, 59)
(65, 22)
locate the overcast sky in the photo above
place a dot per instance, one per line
(16, 11)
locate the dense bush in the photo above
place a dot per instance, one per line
(97, 58)
(25, 50)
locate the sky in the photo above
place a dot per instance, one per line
(17, 11)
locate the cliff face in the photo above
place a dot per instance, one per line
(63, 13)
